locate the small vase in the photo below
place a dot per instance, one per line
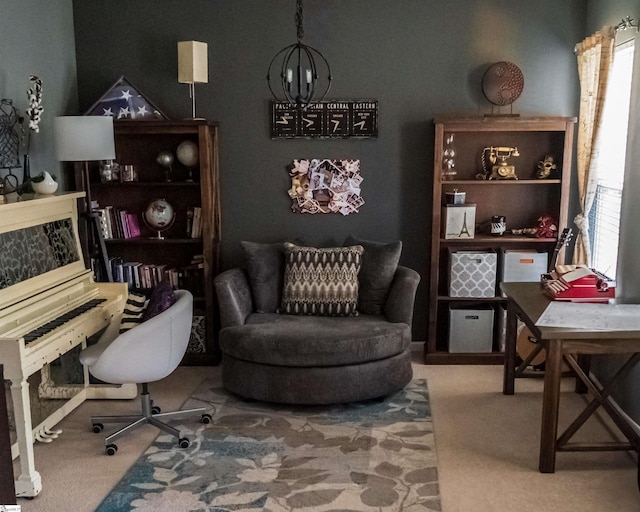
(449, 158)
(45, 187)
(26, 175)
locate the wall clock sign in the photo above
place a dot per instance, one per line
(326, 119)
(284, 120)
(312, 121)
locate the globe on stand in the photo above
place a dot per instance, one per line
(165, 159)
(188, 155)
(159, 215)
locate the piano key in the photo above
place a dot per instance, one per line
(61, 320)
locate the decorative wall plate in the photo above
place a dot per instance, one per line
(502, 83)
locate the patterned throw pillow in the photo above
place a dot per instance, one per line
(321, 281)
(133, 311)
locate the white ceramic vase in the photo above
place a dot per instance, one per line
(46, 186)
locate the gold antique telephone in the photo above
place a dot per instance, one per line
(501, 170)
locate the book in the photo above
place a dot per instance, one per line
(116, 223)
(123, 223)
(105, 226)
(116, 269)
(195, 227)
(189, 221)
(133, 224)
(131, 273)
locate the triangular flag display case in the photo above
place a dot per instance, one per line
(124, 101)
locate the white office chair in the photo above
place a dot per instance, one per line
(146, 353)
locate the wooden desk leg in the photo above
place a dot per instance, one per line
(584, 361)
(508, 387)
(550, 406)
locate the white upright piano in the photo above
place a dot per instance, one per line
(49, 304)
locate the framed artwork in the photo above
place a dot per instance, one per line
(326, 186)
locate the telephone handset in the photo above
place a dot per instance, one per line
(500, 170)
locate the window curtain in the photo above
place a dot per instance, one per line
(595, 55)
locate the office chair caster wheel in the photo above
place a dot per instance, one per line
(206, 419)
(156, 410)
(183, 442)
(111, 449)
(97, 428)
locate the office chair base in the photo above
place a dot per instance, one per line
(150, 415)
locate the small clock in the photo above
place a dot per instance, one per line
(312, 122)
(285, 120)
(364, 119)
(338, 123)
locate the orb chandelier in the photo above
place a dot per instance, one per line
(298, 66)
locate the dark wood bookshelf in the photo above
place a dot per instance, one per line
(522, 201)
(138, 143)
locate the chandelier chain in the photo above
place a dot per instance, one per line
(299, 20)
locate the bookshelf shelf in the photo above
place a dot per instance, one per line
(187, 256)
(156, 241)
(145, 184)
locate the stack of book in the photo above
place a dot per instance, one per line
(143, 276)
(118, 223)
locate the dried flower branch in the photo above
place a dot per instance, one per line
(33, 113)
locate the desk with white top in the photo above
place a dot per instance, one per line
(527, 302)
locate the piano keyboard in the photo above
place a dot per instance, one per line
(61, 320)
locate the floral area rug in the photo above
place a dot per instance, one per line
(376, 455)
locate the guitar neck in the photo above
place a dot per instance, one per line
(563, 240)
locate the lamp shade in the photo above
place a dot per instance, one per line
(84, 138)
(192, 62)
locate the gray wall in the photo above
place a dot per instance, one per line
(416, 57)
(610, 12)
(36, 37)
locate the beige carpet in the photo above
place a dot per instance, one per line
(487, 448)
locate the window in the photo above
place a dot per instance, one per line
(604, 218)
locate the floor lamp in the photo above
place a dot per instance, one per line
(85, 139)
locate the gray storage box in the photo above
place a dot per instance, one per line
(523, 266)
(470, 330)
(473, 274)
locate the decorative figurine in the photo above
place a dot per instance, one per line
(547, 227)
(545, 167)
